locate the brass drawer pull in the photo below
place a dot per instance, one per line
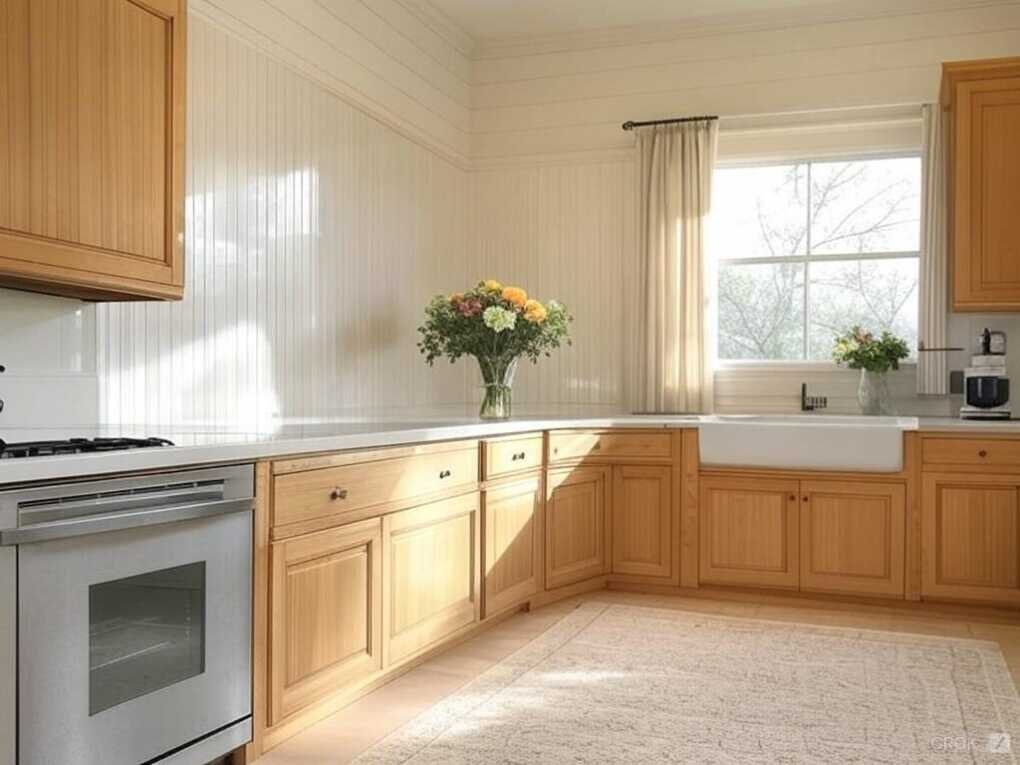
(518, 456)
(444, 474)
(338, 493)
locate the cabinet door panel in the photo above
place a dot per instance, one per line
(643, 531)
(513, 552)
(749, 532)
(576, 525)
(326, 614)
(853, 537)
(91, 167)
(971, 544)
(432, 574)
(984, 181)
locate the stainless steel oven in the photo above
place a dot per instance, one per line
(132, 617)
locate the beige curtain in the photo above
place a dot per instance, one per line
(674, 365)
(933, 286)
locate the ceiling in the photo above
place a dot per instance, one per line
(499, 19)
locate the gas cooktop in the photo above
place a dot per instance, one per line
(76, 446)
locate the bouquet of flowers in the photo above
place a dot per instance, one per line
(874, 356)
(497, 325)
(860, 349)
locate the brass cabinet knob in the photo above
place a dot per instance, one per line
(793, 497)
(982, 453)
(338, 493)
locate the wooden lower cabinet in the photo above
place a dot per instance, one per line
(512, 556)
(432, 581)
(576, 524)
(326, 614)
(748, 529)
(971, 537)
(852, 537)
(643, 531)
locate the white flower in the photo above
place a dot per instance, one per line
(499, 319)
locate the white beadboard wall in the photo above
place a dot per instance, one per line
(564, 231)
(824, 83)
(571, 94)
(315, 235)
(347, 159)
(396, 59)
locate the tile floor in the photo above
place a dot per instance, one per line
(340, 738)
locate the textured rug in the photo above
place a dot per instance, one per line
(623, 684)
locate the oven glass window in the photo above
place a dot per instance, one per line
(145, 632)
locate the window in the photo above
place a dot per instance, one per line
(804, 251)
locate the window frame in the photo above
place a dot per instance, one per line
(804, 364)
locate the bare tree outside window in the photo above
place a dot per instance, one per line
(804, 251)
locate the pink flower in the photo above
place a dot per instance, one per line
(470, 307)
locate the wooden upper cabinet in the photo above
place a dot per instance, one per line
(984, 188)
(92, 147)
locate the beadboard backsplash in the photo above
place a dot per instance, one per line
(314, 234)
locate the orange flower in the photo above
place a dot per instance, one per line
(534, 312)
(515, 295)
(456, 297)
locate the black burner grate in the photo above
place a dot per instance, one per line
(76, 446)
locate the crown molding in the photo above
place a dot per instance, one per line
(721, 24)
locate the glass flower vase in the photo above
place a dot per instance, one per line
(497, 390)
(873, 393)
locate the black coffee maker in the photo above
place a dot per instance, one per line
(986, 381)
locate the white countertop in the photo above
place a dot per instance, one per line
(194, 446)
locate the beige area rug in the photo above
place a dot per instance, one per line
(623, 684)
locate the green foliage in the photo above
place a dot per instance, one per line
(859, 349)
(492, 323)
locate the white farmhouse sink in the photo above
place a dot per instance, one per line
(812, 442)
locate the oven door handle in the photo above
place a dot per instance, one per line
(123, 519)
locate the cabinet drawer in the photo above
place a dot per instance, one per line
(339, 491)
(578, 444)
(971, 451)
(512, 455)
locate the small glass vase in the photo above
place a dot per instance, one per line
(497, 392)
(873, 393)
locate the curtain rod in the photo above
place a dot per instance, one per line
(630, 124)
